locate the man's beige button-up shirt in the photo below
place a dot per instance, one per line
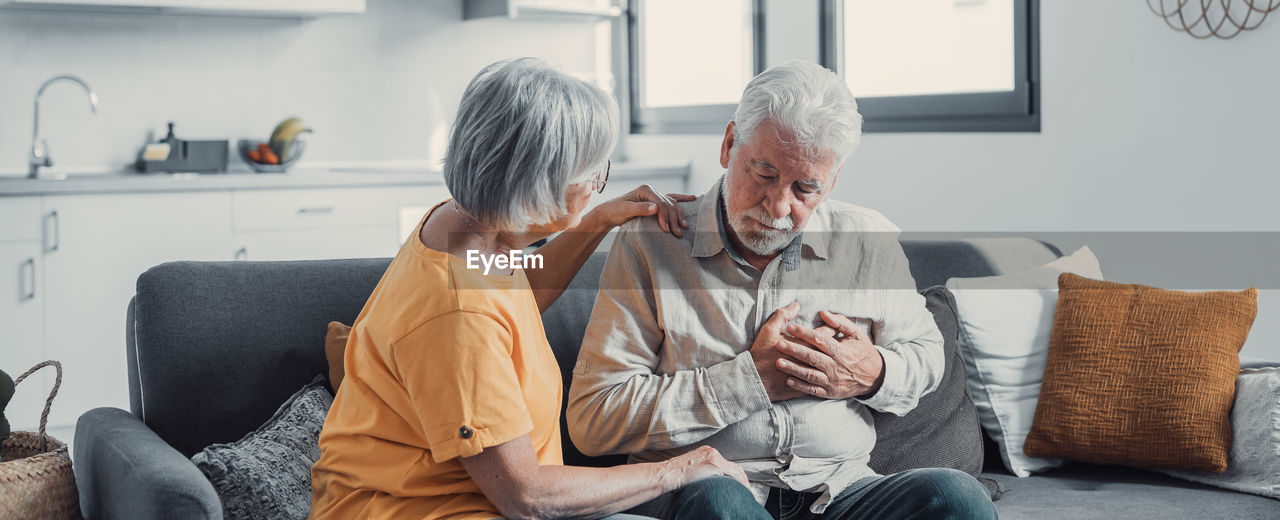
(664, 365)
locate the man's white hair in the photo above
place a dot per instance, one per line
(523, 133)
(807, 101)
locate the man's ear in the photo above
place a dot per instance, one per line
(831, 186)
(726, 146)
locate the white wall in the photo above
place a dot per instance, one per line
(378, 86)
(1143, 129)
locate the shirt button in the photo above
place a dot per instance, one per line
(464, 432)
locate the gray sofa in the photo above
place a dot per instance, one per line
(215, 347)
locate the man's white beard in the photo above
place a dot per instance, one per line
(762, 242)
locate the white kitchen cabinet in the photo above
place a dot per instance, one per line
(22, 320)
(270, 8)
(517, 9)
(282, 7)
(309, 224)
(103, 3)
(94, 248)
(318, 244)
(326, 208)
(20, 219)
(21, 309)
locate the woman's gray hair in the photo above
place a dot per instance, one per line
(809, 101)
(524, 132)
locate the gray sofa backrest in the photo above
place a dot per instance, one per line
(215, 347)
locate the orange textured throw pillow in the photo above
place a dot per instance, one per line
(335, 348)
(1141, 376)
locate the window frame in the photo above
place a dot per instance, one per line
(1014, 111)
(692, 119)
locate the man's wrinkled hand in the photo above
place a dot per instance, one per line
(765, 353)
(835, 361)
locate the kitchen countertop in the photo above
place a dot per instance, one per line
(306, 177)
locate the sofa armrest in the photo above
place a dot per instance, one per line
(125, 470)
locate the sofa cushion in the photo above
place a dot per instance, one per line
(933, 262)
(942, 431)
(1253, 465)
(1080, 490)
(1141, 376)
(1005, 323)
(267, 474)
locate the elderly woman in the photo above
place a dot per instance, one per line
(451, 403)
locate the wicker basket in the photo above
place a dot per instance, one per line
(35, 478)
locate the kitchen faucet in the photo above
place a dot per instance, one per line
(40, 147)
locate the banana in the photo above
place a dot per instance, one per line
(285, 134)
(285, 126)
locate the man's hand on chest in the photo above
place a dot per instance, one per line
(834, 361)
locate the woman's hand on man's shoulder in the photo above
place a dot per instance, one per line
(643, 201)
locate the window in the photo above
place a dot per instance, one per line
(689, 62)
(924, 65)
(937, 65)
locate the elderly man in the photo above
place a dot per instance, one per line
(772, 327)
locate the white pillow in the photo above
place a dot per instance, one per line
(1253, 465)
(1005, 323)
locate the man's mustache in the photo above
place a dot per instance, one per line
(760, 215)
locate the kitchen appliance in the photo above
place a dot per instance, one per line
(207, 156)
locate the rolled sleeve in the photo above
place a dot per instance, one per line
(893, 391)
(738, 389)
(459, 374)
(503, 431)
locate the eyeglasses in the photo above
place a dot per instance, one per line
(598, 186)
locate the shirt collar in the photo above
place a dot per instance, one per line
(817, 232)
(710, 237)
(706, 236)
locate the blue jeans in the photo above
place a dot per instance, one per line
(929, 493)
(711, 498)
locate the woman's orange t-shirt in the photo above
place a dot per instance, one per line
(443, 362)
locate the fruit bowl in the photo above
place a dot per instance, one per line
(248, 145)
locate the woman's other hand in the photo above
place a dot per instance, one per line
(703, 462)
(642, 202)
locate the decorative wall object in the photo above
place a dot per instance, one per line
(1222, 18)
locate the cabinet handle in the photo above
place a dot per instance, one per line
(29, 269)
(57, 231)
(316, 210)
(242, 253)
